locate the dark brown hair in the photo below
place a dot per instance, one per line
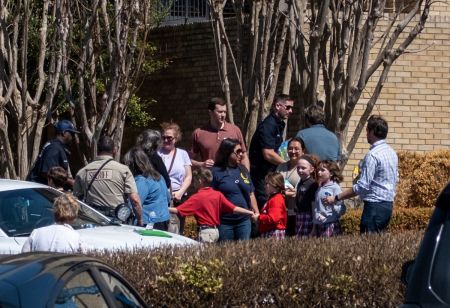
(335, 171)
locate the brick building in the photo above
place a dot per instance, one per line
(415, 99)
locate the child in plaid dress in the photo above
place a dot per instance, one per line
(273, 216)
(326, 216)
(306, 192)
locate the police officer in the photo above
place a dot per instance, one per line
(105, 183)
(54, 153)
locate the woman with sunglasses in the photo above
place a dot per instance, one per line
(177, 162)
(232, 179)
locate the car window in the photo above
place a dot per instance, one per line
(23, 210)
(123, 296)
(80, 291)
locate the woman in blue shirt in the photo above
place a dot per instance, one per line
(151, 188)
(232, 179)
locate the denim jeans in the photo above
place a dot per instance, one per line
(375, 216)
(234, 232)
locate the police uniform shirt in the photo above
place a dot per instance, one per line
(110, 185)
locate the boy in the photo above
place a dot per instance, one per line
(206, 206)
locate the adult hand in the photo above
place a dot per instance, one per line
(208, 163)
(255, 217)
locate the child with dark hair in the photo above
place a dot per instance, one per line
(273, 217)
(59, 237)
(57, 178)
(206, 206)
(326, 216)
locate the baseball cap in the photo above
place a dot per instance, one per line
(65, 126)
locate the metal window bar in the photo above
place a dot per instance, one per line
(186, 11)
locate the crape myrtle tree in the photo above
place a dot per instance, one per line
(334, 47)
(82, 58)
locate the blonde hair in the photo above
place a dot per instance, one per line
(173, 126)
(276, 180)
(66, 208)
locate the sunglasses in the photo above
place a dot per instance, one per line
(287, 107)
(168, 138)
(239, 152)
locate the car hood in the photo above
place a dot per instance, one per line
(123, 237)
(127, 237)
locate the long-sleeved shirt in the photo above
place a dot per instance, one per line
(379, 174)
(325, 213)
(273, 215)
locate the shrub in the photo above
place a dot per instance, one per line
(422, 177)
(403, 219)
(345, 271)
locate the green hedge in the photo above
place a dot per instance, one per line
(346, 271)
(403, 219)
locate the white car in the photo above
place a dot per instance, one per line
(25, 206)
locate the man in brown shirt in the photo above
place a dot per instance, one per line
(206, 139)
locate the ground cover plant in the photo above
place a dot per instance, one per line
(346, 271)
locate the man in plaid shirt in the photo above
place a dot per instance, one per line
(378, 179)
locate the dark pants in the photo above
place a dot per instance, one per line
(375, 216)
(235, 232)
(259, 184)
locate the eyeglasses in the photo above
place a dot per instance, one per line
(239, 152)
(168, 138)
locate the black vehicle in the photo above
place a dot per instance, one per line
(61, 280)
(428, 276)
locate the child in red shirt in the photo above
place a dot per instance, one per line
(206, 206)
(273, 217)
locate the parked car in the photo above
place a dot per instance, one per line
(428, 276)
(61, 280)
(25, 206)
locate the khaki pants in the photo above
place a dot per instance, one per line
(208, 235)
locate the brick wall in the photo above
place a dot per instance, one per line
(415, 99)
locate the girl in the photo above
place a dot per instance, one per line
(306, 191)
(295, 149)
(326, 217)
(273, 217)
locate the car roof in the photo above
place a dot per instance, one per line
(6, 185)
(45, 261)
(29, 279)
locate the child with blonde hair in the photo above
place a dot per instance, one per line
(326, 216)
(59, 237)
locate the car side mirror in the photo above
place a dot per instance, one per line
(406, 271)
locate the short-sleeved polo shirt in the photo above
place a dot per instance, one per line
(206, 140)
(235, 184)
(268, 135)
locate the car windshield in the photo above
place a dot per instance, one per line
(23, 210)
